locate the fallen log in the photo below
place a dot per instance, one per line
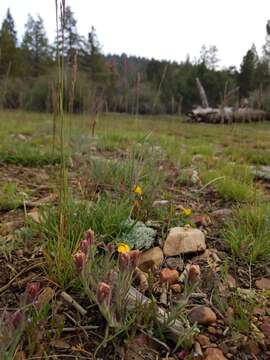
(224, 114)
(227, 115)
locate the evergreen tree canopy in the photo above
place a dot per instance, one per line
(247, 72)
(8, 50)
(72, 40)
(35, 46)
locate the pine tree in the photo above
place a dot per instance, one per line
(266, 47)
(92, 59)
(247, 72)
(8, 49)
(72, 40)
(35, 46)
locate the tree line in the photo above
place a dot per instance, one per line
(119, 83)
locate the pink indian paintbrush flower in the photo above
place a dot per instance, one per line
(110, 247)
(87, 242)
(32, 290)
(134, 258)
(104, 293)
(129, 260)
(79, 260)
(84, 246)
(124, 260)
(90, 236)
(13, 320)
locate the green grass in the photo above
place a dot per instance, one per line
(105, 217)
(27, 154)
(140, 151)
(11, 197)
(233, 182)
(248, 233)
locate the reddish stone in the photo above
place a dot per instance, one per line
(203, 315)
(169, 276)
(176, 288)
(265, 328)
(203, 340)
(194, 273)
(214, 354)
(263, 284)
(200, 220)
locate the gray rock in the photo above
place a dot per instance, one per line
(175, 263)
(261, 172)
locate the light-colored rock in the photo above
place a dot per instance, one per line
(183, 241)
(21, 137)
(34, 215)
(160, 203)
(151, 258)
(214, 354)
(203, 315)
(263, 284)
(169, 276)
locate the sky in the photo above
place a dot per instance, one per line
(163, 29)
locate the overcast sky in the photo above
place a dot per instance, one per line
(163, 29)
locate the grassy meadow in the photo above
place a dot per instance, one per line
(202, 168)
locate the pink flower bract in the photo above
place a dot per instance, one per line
(32, 290)
(79, 260)
(104, 293)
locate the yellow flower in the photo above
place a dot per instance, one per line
(123, 248)
(137, 190)
(187, 211)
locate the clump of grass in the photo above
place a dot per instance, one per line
(233, 182)
(257, 157)
(248, 155)
(248, 233)
(27, 154)
(105, 217)
(122, 176)
(112, 141)
(11, 197)
(243, 311)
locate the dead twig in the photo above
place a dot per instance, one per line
(76, 323)
(73, 302)
(5, 287)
